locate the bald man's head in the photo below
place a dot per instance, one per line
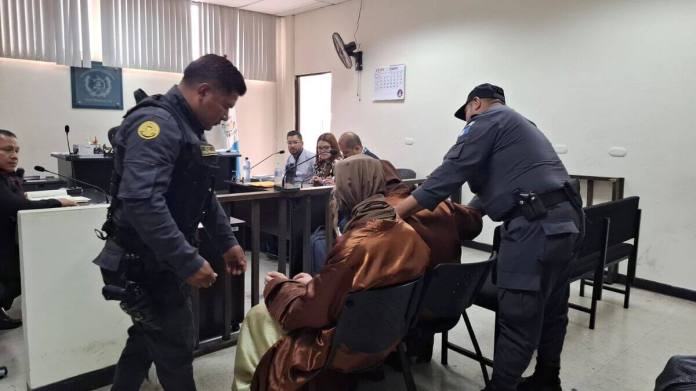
(350, 144)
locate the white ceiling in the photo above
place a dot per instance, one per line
(276, 7)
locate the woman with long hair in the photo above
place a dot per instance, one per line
(327, 155)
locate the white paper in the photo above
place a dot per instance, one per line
(57, 193)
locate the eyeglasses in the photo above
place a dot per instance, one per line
(324, 148)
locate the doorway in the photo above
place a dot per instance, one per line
(313, 107)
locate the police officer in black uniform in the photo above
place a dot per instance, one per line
(162, 187)
(518, 179)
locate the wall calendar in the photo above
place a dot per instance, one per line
(389, 83)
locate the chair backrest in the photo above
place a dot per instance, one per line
(596, 236)
(593, 248)
(452, 287)
(406, 173)
(374, 320)
(624, 215)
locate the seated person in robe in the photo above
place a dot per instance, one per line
(444, 228)
(285, 342)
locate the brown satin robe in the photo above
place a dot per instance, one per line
(373, 253)
(442, 229)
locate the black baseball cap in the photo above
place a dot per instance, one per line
(485, 90)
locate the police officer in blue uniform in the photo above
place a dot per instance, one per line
(162, 187)
(519, 180)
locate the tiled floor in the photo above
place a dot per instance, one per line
(625, 352)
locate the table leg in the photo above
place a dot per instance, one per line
(306, 232)
(255, 250)
(282, 235)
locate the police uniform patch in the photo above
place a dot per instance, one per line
(466, 129)
(148, 130)
(208, 150)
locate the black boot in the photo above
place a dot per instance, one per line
(545, 378)
(7, 323)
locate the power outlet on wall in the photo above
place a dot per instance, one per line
(560, 148)
(617, 151)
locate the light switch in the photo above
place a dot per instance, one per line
(408, 141)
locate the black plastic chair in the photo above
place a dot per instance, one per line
(609, 226)
(625, 217)
(487, 298)
(591, 261)
(450, 290)
(374, 320)
(406, 173)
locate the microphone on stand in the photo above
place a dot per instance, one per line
(333, 152)
(106, 195)
(67, 139)
(267, 157)
(293, 168)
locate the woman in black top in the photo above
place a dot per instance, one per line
(12, 199)
(327, 155)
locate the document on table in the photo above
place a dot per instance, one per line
(58, 193)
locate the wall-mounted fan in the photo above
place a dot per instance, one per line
(346, 51)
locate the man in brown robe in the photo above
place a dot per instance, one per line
(376, 250)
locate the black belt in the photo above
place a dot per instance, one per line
(549, 199)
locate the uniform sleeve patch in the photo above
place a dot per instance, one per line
(148, 130)
(207, 150)
(467, 129)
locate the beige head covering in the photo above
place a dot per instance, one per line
(360, 189)
(357, 178)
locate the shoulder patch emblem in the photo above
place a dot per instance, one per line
(466, 129)
(148, 130)
(207, 150)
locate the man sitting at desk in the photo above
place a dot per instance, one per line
(300, 164)
(285, 342)
(12, 200)
(350, 144)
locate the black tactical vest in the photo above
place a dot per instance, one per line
(190, 189)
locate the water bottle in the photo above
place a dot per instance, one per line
(278, 171)
(247, 170)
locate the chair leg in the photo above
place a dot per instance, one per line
(630, 276)
(627, 295)
(582, 287)
(444, 349)
(593, 309)
(612, 272)
(477, 348)
(406, 368)
(596, 296)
